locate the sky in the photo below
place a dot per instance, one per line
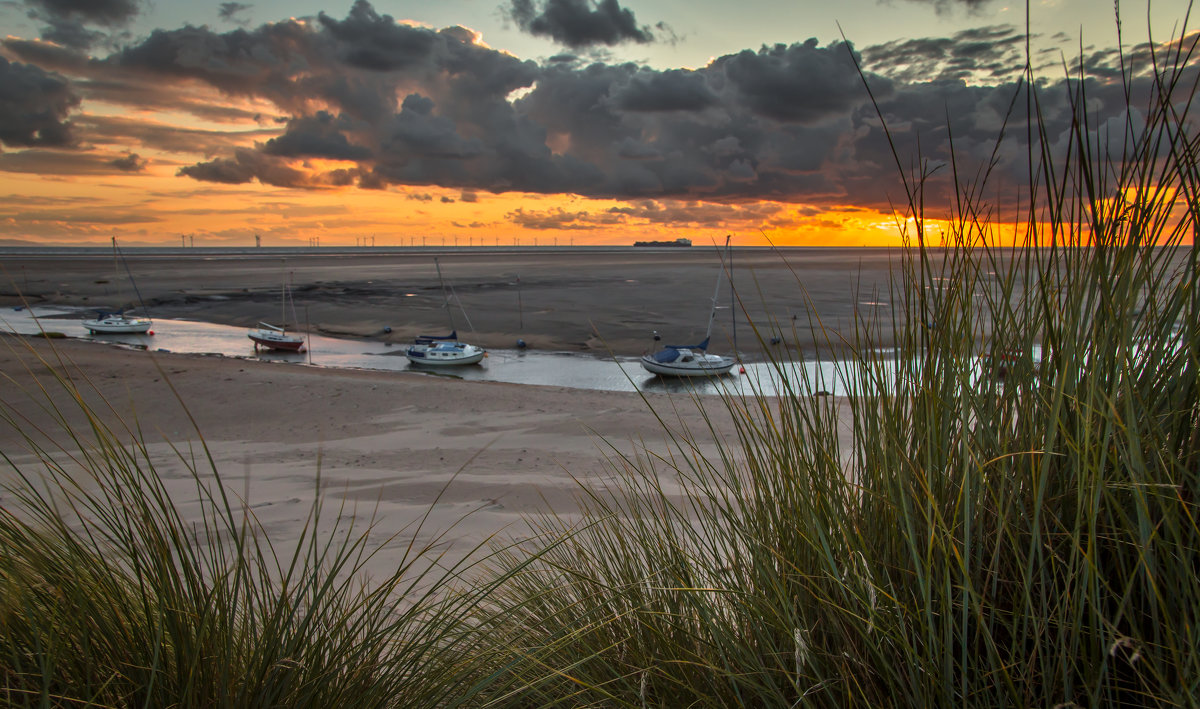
(481, 122)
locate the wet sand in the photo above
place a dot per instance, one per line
(570, 299)
(390, 447)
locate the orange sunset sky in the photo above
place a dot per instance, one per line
(523, 121)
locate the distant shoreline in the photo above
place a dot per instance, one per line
(106, 250)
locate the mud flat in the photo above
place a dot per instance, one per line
(562, 299)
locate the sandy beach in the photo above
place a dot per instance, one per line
(382, 444)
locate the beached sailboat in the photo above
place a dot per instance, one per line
(276, 337)
(444, 350)
(691, 360)
(117, 322)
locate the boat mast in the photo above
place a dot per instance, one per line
(732, 294)
(283, 296)
(713, 313)
(445, 295)
(117, 271)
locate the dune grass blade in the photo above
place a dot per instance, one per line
(1003, 512)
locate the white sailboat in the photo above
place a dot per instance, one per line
(117, 322)
(443, 350)
(276, 337)
(691, 360)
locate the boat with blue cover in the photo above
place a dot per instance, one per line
(691, 360)
(687, 361)
(444, 350)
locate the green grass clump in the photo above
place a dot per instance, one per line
(1002, 513)
(109, 596)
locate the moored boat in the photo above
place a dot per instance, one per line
(275, 338)
(443, 350)
(116, 322)
(691, 360)
(687, 361)
(106, 323)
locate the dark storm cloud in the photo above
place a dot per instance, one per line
(318, 136)
(246, 166)
(67, 20)
(371, 41)
(271, 60)
(107, 12)
(48, 56)
(944, 6)
(579, 23)
(674, 90)
(70, 32)
(61, 162)
(129, 163)
(143, 96)
(34, 105)
(358, 66)
(230, 11)
(803, 83)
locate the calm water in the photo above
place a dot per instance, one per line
(573, 370)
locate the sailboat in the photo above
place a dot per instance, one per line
(691, 360)
(117, 322)
(274, 337)
(444, 350)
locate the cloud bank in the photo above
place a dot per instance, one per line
(370, 102)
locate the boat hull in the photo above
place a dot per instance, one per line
(276, 341)
(118, 326)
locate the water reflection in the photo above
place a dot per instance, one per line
(571, 370)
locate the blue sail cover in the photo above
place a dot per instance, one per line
(671, 352)
(703, 346)
(430, 339)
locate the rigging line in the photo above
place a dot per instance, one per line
(137, 292)
(461, 308)
(292, 299)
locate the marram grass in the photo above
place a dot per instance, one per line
(110, 597)
(1002, 513)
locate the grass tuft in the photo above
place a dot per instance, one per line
(1003, 511)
